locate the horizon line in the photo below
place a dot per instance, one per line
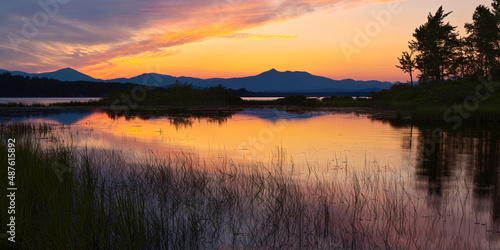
(109, 79)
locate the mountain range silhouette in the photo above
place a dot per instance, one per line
(269, 81)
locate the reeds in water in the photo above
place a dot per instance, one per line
(81, 198)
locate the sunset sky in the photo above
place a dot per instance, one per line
(228, 38)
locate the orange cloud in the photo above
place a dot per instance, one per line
(95, 33)
(95, 37)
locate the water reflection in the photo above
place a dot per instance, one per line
(177, 119)
(182, 116)
(61, 116)
(457, 166)
(469, 155)
(451, 168)
(317, 137)
(445, 170)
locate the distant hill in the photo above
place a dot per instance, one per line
(273, 81)
(66, 74)
(269, 81)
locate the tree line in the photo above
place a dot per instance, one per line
(176, 94)
(439, 53)
(20, 86)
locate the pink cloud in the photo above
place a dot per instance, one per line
(91, 33)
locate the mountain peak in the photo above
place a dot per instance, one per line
(268, 81)
(67, 69)
(67, 74)
(271, 71)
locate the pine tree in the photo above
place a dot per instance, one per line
(484, 34)
(407, 64)
(436, 45)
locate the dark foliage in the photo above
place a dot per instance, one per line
(240, 92)
(445, 93)
(440, 54)
(19, 86)
(178, 94)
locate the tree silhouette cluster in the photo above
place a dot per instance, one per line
(20, 86)
(439, 53)
(177, 94)
(116, 93)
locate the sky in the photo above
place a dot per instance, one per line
(339, 39)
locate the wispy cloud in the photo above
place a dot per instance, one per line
(248, 36)
(98, 34)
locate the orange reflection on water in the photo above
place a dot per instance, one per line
(319, 138)
(453, 189)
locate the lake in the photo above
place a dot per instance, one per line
(453, 173)
(46, 100)
(276, 98)
(260, 98)
(251, 134)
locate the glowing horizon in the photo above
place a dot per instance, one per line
(358, 39)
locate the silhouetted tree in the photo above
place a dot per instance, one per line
(436, 45)
(407, 64)
(465, 63)
(496, 8)
(484, 34)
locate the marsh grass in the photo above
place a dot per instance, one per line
(81, 198)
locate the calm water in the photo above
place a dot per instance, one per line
(47, 100)
(276, 98)
(438, 166)
(260, 98)
(312, 137)
(266, 98)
